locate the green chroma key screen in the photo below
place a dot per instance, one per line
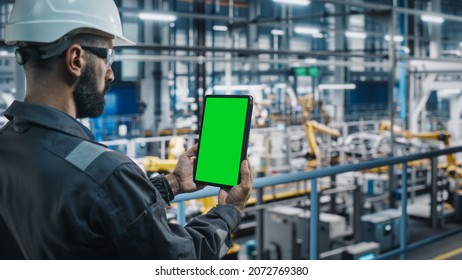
(222, 142)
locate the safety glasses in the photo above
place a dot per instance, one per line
(103, 53)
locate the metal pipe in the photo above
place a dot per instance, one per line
(324, 172)
(377, 7)
(434, 192)
(403, 228)
(272, 20)
(301, 62)
(314, 220)
(334, 191)
(357, 210)
(260, 225)
(333, 194)
(391, 107)
(181, 213)
(133, 13)
(249, 51)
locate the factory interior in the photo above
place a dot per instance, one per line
(356, 133)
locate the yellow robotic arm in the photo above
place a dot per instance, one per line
(442, 136)
(452, 168)
(385, 126)
(311, 127)
(155, 164)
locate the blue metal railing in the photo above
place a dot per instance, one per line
(332, 171)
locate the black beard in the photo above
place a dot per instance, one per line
(88, 101)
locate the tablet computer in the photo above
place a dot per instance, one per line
(223, 139)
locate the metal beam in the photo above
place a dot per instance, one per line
(435, 65)
(133, 13)
(376, 6)
(272, 20)
(312, 53)
(300, 62)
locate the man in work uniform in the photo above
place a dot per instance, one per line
(65, 196)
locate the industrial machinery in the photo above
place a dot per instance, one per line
(450, 186)
(312, 109)
(370, 145)
(314, 155)
(452, 168)
(385, 126)
(153, 164)
(382, 227)
(361, 251)
(176, 147)
(366, 145)
(286, 232)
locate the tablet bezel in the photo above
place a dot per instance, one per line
(245, 141)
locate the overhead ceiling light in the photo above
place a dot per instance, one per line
(396, 38)
(157, 17)
(220, 28)
(453, 52)
(432, 19)
(318, 35)
(306, 30)
(448, 92)
(310, 60)
(277, 32)
(238, 87)
(356, 35)
(293, 2)
(336, 86)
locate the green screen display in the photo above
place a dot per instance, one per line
(221, 140)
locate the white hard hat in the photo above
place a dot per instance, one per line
(45, 21)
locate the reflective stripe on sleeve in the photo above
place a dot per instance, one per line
(84, 154)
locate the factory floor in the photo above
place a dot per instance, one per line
(448, 248)
(443, 242)
(446, 238)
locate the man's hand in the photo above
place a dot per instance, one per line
(238, 195)
(181, 179)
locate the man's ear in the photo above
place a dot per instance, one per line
(75, 60)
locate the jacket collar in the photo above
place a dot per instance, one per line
(48, 117)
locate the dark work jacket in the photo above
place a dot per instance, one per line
(64, 196)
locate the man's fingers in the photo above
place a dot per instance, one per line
(192, 151)
(246, 176)
(250, 168)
